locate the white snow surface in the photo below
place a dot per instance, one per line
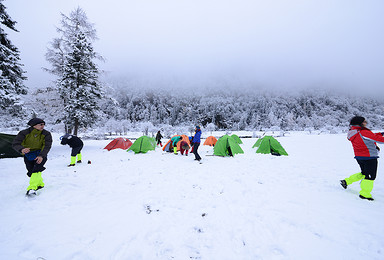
(162, 206)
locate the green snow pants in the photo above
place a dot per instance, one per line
(365, 185)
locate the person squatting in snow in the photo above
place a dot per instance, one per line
(34, 143)
(366, 153)
(76, 144)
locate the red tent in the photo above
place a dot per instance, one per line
(120, 142)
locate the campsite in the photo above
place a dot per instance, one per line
(156, 205)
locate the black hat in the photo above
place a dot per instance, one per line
(35, 121)
(357, 120)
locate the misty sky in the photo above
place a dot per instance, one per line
(274, 43)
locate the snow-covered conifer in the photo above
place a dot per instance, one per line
(11, 72)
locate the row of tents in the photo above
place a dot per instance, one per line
(224, 146)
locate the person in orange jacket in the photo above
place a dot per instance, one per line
(366, 153)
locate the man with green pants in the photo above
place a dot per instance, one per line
(34, 143)
(366, 153)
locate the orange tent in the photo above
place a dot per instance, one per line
(167, 145)
(120, 142)
(211, 141)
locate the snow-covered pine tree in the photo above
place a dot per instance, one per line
(72, 59)
(11, 72)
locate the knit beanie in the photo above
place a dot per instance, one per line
(35, 121)
(357, 120)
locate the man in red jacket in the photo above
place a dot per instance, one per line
(366, 154)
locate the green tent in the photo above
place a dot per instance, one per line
(269, 145)
(237, 139)
(227, 146)
(6, 150)
(142, 145)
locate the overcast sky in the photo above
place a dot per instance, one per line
(284, 43)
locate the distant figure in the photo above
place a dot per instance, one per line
(174, 141)
(196, 143)
(184, 147)
(158, 138)
(76, 144)
(366, 154)
(34, 143)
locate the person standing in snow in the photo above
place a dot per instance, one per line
(158, 138)
(76, 144)
(34, 143)
(196, 143)
(366, 153)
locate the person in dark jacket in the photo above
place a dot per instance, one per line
(158, 138)
(366, 153)
(196, 143)
(34, 143)
(76, 144)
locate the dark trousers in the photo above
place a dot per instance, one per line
(368, 168)
(76, 150)
(32, 166)
(194, 150)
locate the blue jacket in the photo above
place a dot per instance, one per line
(196, 138)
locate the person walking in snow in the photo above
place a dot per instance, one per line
(366, 153)
(158, 138)
(196, 143)
(76, 144)
(34, 143)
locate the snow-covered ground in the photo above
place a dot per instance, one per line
(162, 206)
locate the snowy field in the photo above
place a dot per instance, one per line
(162, 206)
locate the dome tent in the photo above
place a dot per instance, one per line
(211, 141)
(6, 150)
(143, 144)
(121, 143)
(237, 139)
(269, 145)
(227, 146)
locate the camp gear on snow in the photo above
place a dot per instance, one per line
(143, 144)
(35, 121)
(211, 141)
(227, 146)
(357, 120)
(269, 145)
(119, 143)
(6, 150)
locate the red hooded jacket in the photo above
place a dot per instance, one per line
(364, 142)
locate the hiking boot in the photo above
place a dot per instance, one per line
(343, 183)
(365, 198)
(79, 161)
(31, 192)
(39, 187)
(72, 164)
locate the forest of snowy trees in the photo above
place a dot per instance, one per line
(135, 109)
